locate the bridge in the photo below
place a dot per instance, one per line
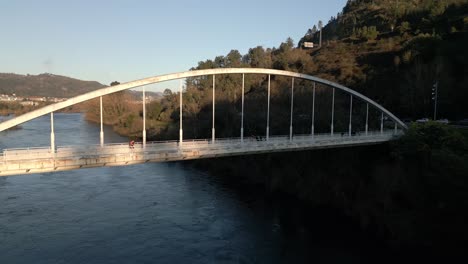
(57, 158)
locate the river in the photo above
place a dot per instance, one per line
(158, 213)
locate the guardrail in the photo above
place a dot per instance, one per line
(27, 153)
(173, 146)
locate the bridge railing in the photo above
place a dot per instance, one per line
(173, 146)
(27, 153)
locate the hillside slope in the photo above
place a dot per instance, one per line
(45, 84)
(395, 51)
(392, 51)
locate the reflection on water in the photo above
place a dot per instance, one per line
(156, 213)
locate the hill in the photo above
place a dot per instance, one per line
(392, 51)
(395, 51)
(45, 84)
(389, 50)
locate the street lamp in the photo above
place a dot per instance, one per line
(435, 91)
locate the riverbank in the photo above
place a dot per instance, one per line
(407, 193)
(16, 108)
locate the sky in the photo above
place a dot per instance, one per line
(117, 40)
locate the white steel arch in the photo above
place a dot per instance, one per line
(174, 76)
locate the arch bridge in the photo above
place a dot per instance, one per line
(57, 158)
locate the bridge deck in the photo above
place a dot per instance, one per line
(36, 160)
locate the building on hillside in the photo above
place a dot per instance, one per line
(8, 98)
(37, 98)
(25, 103)
(308, 45)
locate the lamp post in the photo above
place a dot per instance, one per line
(435, 91)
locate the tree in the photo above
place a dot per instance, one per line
(259, 58)
(233, 59)
(154, 110)
(167, 93)
(287, 46)
(220, 62)
(371, 33)
(114, 83)
(367, 33)
(314, 30)
(404, 27)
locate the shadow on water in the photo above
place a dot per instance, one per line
(320, 234)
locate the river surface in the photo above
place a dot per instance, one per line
(158, 213)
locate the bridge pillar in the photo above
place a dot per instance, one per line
(268, 111)
(242, 116)
(333, 111)
(350, 114)
(144, 118)
(313, 111)
(101, 134)
(52, 134)
(396, 129)
(367, 118)
(213, 127)
(292, 109)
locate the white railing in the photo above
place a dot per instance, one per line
(27, 153)
(203, 145)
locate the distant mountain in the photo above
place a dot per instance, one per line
(45, 84)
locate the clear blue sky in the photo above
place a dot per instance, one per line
(128, 40)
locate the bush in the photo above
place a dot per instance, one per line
(404, 27)
(430, 137)
(366, 33)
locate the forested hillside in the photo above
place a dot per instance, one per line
(47, 85)
(392, 51)
(396, 50)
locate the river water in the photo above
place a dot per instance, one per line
(158, 213)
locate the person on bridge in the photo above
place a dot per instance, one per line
(132, 144)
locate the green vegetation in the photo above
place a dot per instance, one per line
(434, 183)
(118, 111)
(393, 51)
(16, 108)
(124, 112)
(365, 33)
(439, 155)
(412, 191)
(44, 85)
(431, 139)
